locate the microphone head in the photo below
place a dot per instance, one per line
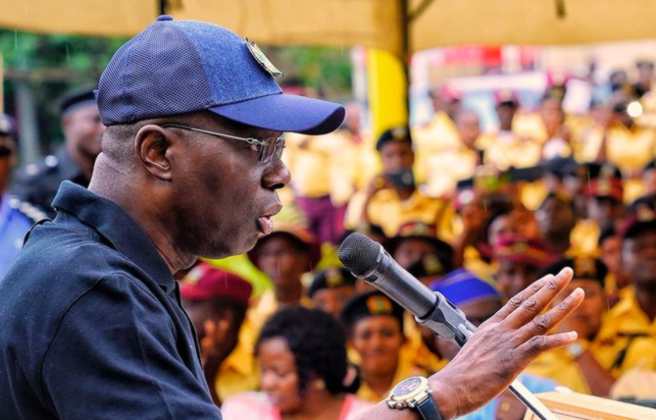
(359, 253)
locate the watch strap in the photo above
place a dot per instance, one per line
(428, 409)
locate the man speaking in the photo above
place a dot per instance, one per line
(92, 326)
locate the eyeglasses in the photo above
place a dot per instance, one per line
(267, 150)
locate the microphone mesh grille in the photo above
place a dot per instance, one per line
(358, 253)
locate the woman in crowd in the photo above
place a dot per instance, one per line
(304, 371)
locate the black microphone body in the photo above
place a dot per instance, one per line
(430, 308)
(367, 259)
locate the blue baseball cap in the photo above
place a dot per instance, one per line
(180, 66)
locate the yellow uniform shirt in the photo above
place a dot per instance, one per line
(506, 149)
(332, 165)
(559, 366)
(627, 338)
(430, 139)
(448, 166)
(628, 149)
(390, 213)
(584, 239)
(414, 352)
(403, 371)
(238, 372)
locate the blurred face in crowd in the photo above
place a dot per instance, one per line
(477, 312)
(513, 277)
(331, 300)
(505, 113)
(279, 377)
(526, 224)
(353, 120)
(378, 340)
(7, 160)
(501, 226)
(604, 210)
(639, 259)
(412, 250)
(217, 330)
(586, 319)
(556, 218)
(469, 128)
(552, 115)
(83, 130)
(281, 258)
(396, 156)
(649, 179)
(610, 254)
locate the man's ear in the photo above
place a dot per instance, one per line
(151, 144)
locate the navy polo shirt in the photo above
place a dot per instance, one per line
(91, 325)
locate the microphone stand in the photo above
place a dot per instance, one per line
(450, 322)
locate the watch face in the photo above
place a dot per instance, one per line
(406, 387)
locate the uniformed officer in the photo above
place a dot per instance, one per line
(92, 325)
(37, 183)
(16, 216)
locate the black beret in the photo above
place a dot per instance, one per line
(76, 99)
(399, 134)
(331, 278)
(370, 304)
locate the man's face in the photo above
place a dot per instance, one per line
(282, 261)
(396, 156)
(552, 115)
(610, 253)
(649, 178)
(411, 250)
(222, 196)
(513, 277)
(604, 210)
(556, 217)
(469, 128)
(217, 332)
(639, 259)
(7, 160)
(83, 129)
(506, 113)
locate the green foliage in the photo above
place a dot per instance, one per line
(322, 68)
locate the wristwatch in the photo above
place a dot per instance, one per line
(414, 392)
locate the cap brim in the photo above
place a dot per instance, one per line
(281, 112)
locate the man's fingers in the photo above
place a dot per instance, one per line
(516, 301)
(543, 323)
(542, 343)
(534, 304)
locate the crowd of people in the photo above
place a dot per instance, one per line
(477, 216)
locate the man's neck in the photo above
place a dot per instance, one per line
(111, 183)
(646, 298)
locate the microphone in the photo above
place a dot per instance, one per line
(368, 259)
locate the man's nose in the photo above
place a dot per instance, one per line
(276, 175)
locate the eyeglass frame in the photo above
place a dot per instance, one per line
(261, 146)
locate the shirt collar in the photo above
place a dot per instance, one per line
(117, 227)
